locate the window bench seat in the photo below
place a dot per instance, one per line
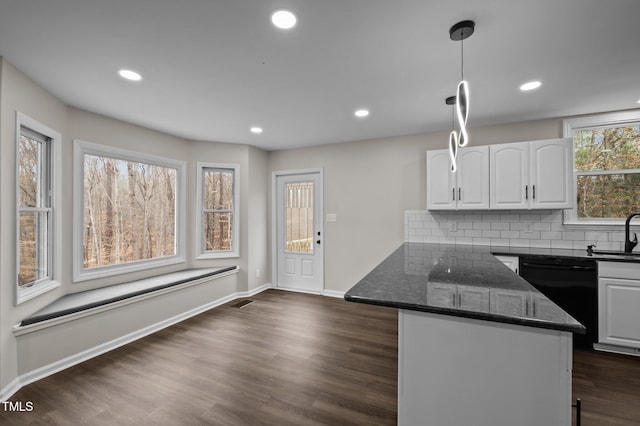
(85, 300)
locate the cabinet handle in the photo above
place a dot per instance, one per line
(533, 308)
(526, 308)
(526, 192)
(459, 196)
(453, 194)
(534, 192)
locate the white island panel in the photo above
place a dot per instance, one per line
(461, 371)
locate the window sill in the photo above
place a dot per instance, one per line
(108, 271)
(35, 290)
(222, 255)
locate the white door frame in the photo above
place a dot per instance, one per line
(274, 219)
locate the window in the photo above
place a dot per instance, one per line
(217, 224)
(607, 167)
(37, 192)
(129, 210)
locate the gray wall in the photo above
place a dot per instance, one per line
(370, 184)
(19, 93)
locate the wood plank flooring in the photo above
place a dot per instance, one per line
(284, 359)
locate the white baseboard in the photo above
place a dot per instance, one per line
(333, 293)
(72, 360)
(328, 293)
(13, 387)
(616, 349)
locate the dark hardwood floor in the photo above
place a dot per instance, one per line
(285, 359)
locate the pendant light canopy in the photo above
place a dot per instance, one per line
(459, 32)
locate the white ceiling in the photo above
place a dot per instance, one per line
(212, 68)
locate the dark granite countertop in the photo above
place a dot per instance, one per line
(458, 280)
(567, 253)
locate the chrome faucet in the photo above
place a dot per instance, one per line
(629, 244)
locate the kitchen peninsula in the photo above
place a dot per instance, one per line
(477, 344)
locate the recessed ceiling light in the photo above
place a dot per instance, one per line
(284, 19)
(256, 130)
(130, 75)
(361, 113)
(530, 85)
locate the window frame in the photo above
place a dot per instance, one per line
(570, 125)
(201, 167)
(54, 223)
(82, 148)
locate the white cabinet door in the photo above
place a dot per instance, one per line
(551, 180)
(509, 176)
(532, 175)
(619, 311)
(473, 178)
(441, 182)
(466, 189)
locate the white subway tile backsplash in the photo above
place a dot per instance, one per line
(491, 234)
(537, 229)
(559, 244)
(482, 225)
(551, 235)
(510, 234)
(519, 243)
(481, 241)
(502, 226)
(540, 244)
(573, 235)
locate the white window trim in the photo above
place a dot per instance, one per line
(601, 120)
(81, 148)
(235, 231)
(55, 243)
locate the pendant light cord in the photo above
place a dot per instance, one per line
(462, 56)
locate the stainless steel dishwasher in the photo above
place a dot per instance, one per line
(572, 284)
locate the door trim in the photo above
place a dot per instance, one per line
(274, 219)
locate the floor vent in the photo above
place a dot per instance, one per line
(242, 303)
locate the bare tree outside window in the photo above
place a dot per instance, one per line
(33, 208)
(129, 211)
(218, 209)
(608, 171)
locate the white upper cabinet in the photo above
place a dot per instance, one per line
(467, 189)
(531, 175)
(509, 176)
(440, 181)
(551, 173)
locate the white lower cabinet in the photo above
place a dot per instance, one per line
(619, 304)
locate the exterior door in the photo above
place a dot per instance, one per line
(299, 236)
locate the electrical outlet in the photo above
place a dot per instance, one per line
(453, 226)
(257, 273)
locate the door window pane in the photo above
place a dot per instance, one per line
(299, 217)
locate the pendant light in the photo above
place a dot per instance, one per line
(453, 135)
(459, 32)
